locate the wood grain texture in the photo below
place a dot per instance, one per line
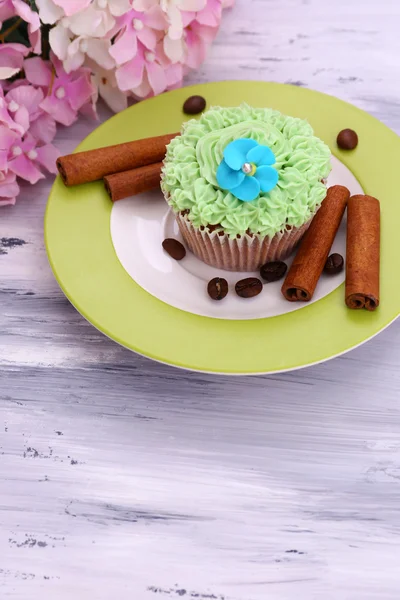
(123, 478)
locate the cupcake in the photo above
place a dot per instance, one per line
(244, 184)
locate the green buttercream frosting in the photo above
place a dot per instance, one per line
(189, 171)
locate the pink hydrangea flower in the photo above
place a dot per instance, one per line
(9, 188)
(11, 59)
(7, 178)
(173, 77)
(145, 64)
(174, 10)
(137, 26)
(174, 72)
(26, 157)
(7, 10)
(198, 38)
(65, 93)
(6, 118)
(111, 48)
(24, 11)
(211, 14)
(174, 39)
(24, 103)
(12, 8)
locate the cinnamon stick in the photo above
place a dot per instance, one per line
(132, 182)
(362, 252)
(308, 264)
(84, 167)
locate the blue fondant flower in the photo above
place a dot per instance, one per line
(246, 169)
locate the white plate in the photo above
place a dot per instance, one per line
(140, 224)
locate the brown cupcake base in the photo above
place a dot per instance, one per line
(244, 253)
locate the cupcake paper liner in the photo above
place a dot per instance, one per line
(244, 253)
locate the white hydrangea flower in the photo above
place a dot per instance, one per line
(51, 11)
(173, 44)
(94, 21)
(108, 89)
(73, 52)
(85, 33)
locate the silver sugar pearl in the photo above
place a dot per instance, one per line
(247, 168)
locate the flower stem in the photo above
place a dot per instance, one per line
(53, 76)
(12, 28)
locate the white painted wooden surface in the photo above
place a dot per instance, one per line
(122, 478)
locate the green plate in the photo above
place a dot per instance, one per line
(81, 254)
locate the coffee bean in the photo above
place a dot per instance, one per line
(334, 264)
(249, 287)
(194, 105)
(273, 271)
(347, 139)
(217, 288)
(174, 248)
